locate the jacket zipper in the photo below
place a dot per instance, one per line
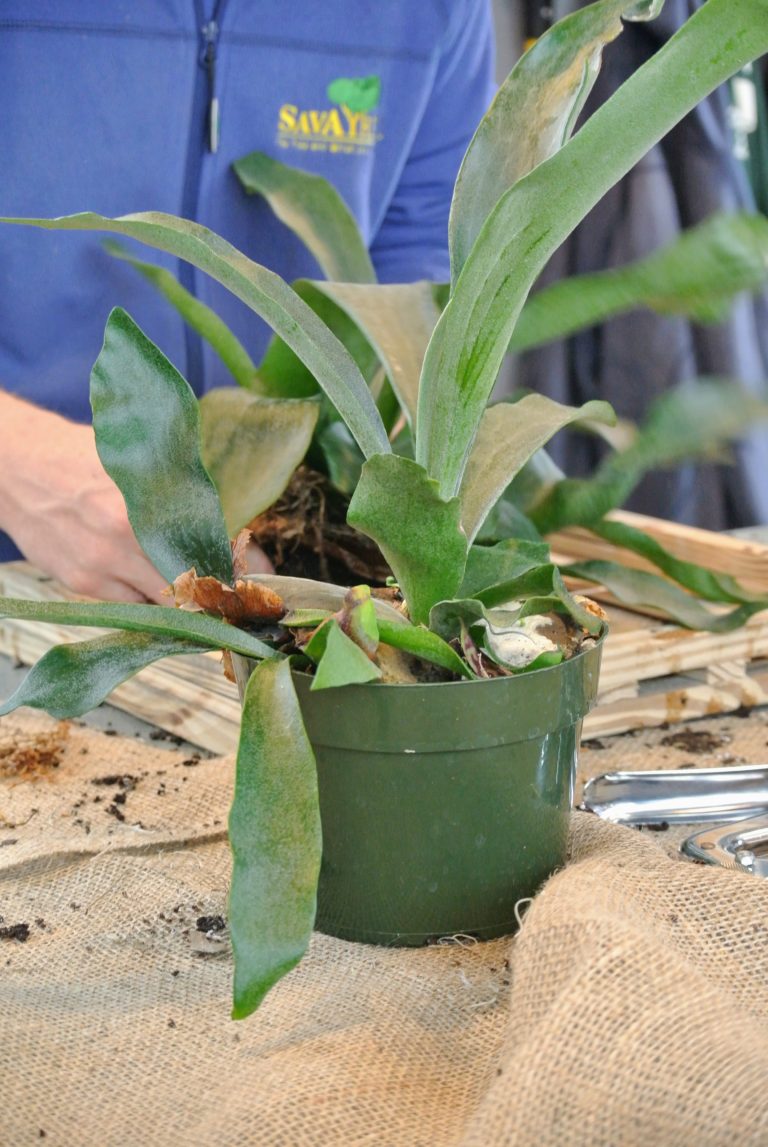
(210, 32)
(204, 136)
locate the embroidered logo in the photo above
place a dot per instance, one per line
(349, 127)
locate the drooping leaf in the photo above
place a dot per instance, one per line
(157, 619)
(265, 293)
(147, 429)
(197, 314)
(533, 114)
(275, 837)
(418, 532)
(533, 218)
(340, 660)
(697, 275)
(701, 582)
(692, 421)
(509, 433)
(314, 210)
(72, 679)
(639, 588)
(495, 565)
(251, 447)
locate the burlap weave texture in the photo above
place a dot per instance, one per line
(629, 1010)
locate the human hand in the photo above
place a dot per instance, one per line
(63, 510)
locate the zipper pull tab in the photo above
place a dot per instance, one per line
(210, 37)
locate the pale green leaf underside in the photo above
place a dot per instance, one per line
(696, 275)
(251, 447)
(509, 434)
(283, 375)
(533, 114)
(275, 837)
(197, 314)
(397, 320)
(315, 211)
(265, 293)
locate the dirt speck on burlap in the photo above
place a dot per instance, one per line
(27, 756)
(695, 740)
(18, 932)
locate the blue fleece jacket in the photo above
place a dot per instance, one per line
(107, 108)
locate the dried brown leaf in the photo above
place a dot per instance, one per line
(227, 666)
(240, 553)
(259, 601)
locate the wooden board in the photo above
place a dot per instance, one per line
(652, 672)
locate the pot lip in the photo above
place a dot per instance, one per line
(498, 682)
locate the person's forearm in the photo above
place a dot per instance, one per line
(61, 508)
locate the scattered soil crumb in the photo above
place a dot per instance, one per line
(162, 735)
(695, 740)
(210, 923)
(15, 932)
(33, 755)
(123, 780)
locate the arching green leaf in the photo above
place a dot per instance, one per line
(638, 588)
(265, 293)
(692, 421)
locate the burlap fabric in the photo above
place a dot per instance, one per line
(629, 1010)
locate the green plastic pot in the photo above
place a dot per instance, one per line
(443, 805)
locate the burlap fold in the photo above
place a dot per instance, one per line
(629, 1010)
